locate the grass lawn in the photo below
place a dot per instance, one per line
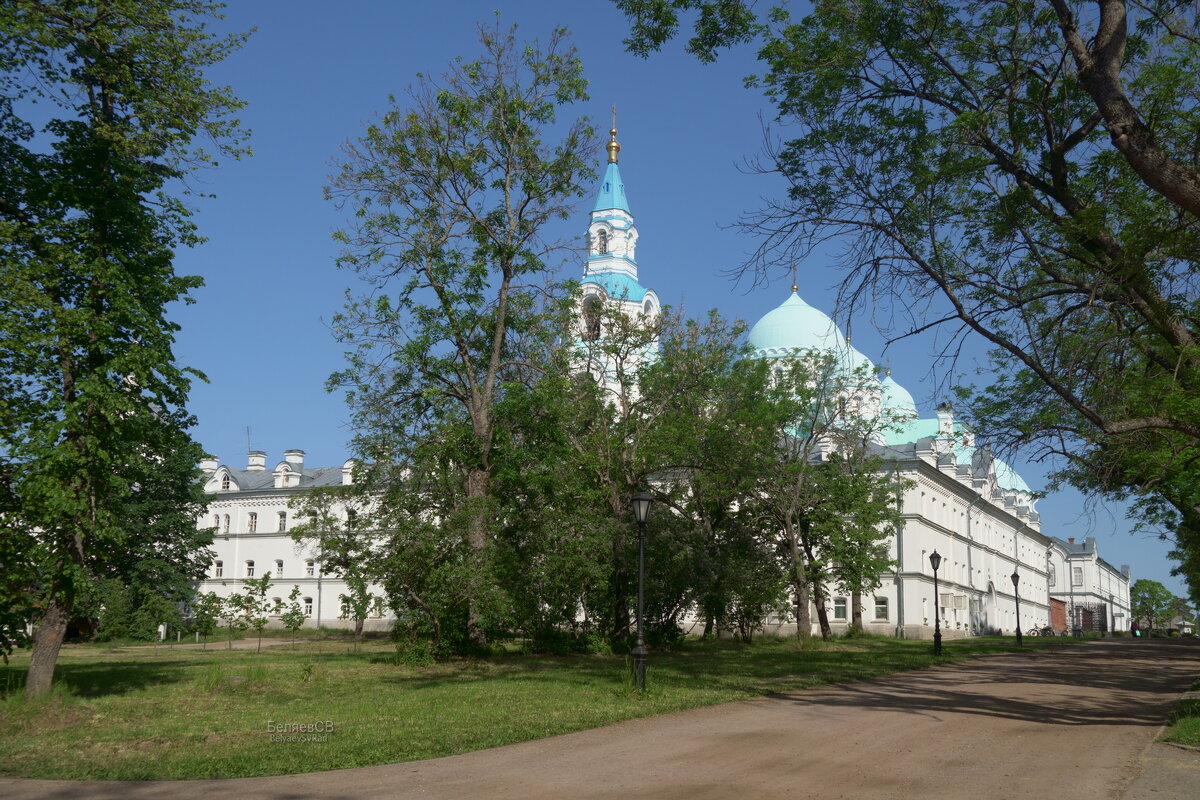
(1184, 724)
(137, 713)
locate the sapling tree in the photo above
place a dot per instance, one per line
(292, 615)
(258, 608)
(206, 611)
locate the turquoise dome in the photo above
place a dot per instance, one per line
(793, 326)
(896, 400)
(1007, 477)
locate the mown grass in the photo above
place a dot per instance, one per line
(136, 713)
(1183, 727)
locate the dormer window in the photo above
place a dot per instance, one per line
(602, 243)
(225, 481)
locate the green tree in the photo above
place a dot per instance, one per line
(452, 192)
(99, 105)
(824, 489)
(292, 615)
(257, 607)
(1029, 173)
(234, 613)
(1151, 602)
(206, 611)
(356, 604)
(340, 525)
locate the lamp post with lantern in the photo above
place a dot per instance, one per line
(1016, 579)
(935, 561)
(641, 511)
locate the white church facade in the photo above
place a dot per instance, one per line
(969, 506)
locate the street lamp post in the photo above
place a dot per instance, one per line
(1016, 579)
(935, 561)
(641, 510)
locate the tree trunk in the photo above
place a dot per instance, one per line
(47, 641)
(800, 586)
(477, 484)
(856, 622)
(819, 600)
(708, 625)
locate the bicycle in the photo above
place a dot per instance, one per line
(1044, 631)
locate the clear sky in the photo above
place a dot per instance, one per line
(316, 72)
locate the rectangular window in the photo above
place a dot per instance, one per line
(839, 608)
(282, 521)
(219, 569)
(249, 569)
(1077, 576)
(278, 568)
(1050, 568)
(308, 568)
(252, 523)
(308, 606)
(881, 608)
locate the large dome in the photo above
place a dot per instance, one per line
(794, 326)
(897, 401)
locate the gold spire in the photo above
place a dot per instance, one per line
(613, 147)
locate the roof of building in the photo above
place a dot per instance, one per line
(264, 479)
(618, 285)
(612, 191)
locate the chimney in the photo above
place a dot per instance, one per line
(1070, 540)
(348, 472)
(295, 458)
(1125, 571)
(945, 415)
(256, 461)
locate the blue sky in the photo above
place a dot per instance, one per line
(315, 73)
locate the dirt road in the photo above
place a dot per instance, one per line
(1066, 724)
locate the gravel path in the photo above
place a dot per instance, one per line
(1077, 722)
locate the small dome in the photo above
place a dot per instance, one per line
(898, 403)
(794, 325)
(1007, 477)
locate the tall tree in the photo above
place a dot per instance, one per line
(1152, 602)
(824, 489)
(93, 420)
(453, 191)
(1029, 172)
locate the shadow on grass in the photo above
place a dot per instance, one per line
(102, 678)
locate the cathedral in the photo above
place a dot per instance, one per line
(964, 504)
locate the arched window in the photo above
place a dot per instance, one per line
(647, 307)
(1050, 570)
(252, 523)
(216, 522)
(602, 242)
(591, 319)
(282, 521)
(225, 481)
(225, 528)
